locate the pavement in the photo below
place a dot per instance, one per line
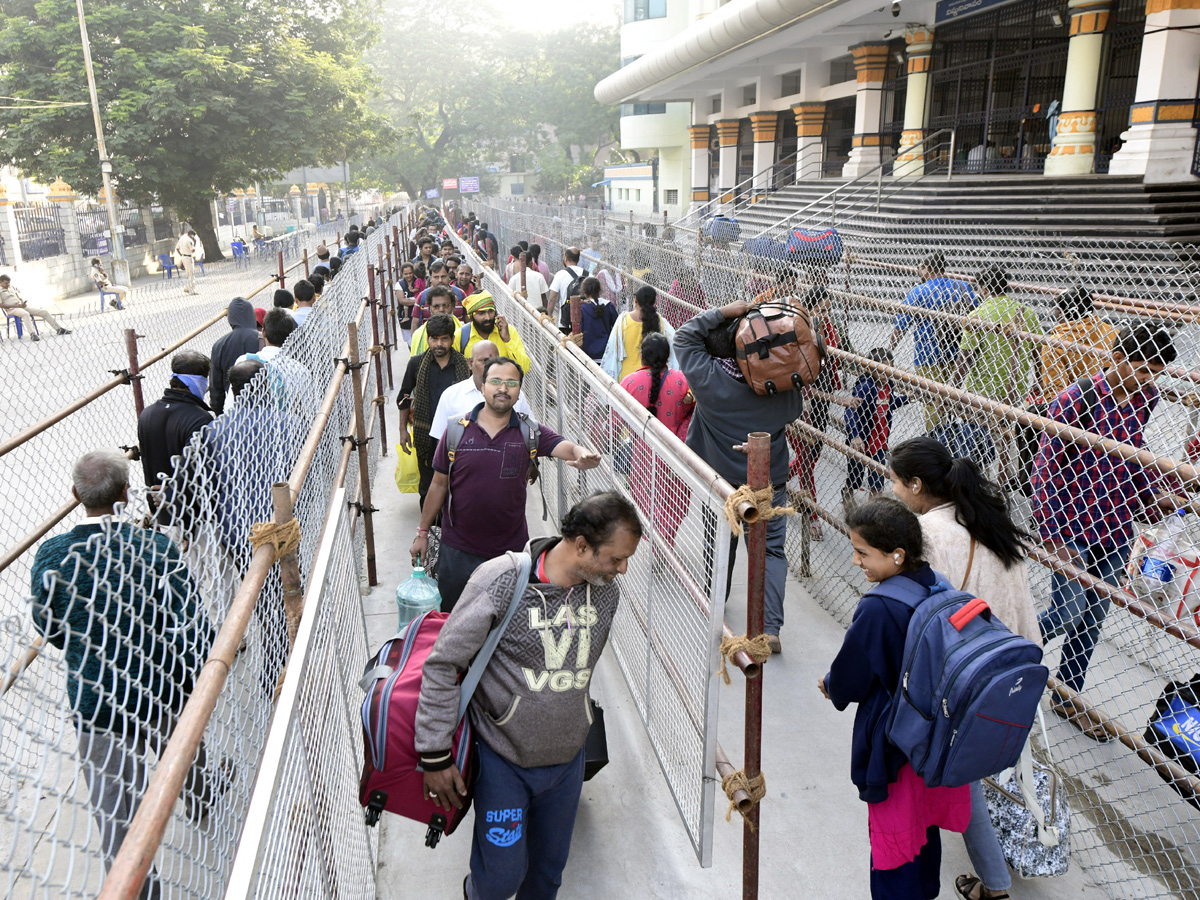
(628, 840)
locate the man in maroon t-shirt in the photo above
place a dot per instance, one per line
(482, 497)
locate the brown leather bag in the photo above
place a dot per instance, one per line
(777, 349)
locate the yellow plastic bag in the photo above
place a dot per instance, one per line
(408, 476)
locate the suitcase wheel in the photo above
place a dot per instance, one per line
(437, 826)
(375, 804)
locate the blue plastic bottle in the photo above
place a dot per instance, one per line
(417, 594)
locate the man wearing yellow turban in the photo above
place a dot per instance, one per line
(484, 325)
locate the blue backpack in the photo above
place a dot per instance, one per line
(969, 688)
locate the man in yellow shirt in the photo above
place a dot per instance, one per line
(484, 325)
(441, 302)
(1080, 346)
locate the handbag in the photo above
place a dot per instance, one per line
(408, 475)
(595, 752)
(1029, 811)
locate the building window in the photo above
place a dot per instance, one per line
(789, 84)
(639, 10)
(518, 187)
(637, 195)
(715, 107)
(842, 69)
(671, 198)
(749, 95)
(643, 109)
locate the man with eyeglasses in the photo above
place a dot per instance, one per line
(1084, 498)
(482, 469)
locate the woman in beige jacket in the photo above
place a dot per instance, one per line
(970, 538)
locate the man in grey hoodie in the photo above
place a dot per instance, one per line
(241, 340)
(727, 410)
(531, 711)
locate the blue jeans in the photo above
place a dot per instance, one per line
(777, 567)
(983, 846)
(1079, 613)
(523, 824)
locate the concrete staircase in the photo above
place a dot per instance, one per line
(1097, 207)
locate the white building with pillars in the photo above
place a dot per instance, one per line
(831, 89)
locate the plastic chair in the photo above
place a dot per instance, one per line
(239, 254)
(105, 294)
(199, 264)
(20, 332)
(167, 265)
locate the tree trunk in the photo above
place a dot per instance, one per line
(200, 217)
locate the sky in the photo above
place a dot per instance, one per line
(551, 15)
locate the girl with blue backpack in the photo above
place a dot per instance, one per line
(904, 815)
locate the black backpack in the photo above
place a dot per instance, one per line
(564, 302)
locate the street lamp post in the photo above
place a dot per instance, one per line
(120, 265)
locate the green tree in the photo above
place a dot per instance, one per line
(196, 97)
(529, 94)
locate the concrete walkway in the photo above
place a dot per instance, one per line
(628, 839)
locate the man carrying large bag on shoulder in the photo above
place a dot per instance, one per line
(531, 711)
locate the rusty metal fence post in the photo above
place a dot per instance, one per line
(758, 477)
(360, 443)
(380, 397)
(282, 272)
(135, 378)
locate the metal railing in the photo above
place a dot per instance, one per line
(1133, 829)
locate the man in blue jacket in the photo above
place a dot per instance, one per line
(727, 410)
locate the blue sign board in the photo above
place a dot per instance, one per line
(431, 194)
(951, 10)
(468, 185)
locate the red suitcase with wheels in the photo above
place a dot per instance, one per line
(391, 780)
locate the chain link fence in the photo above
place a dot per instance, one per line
(168, 614)
(915, 309)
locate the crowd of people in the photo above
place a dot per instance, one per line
(478, 449)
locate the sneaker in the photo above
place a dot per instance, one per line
(114, 304)
(63, 331)
(774, 643)
(34, 337)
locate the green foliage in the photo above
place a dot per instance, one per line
(195, 97)
(464, 90)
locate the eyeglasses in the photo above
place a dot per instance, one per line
(504, 382)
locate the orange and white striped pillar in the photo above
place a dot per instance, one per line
(870, 63)
(1161, 139)
(701, 137)
(911, 163)
(727, 140)
(810, 146)
(763, 125)
(1073, 145)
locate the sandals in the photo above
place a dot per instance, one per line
(966, 884)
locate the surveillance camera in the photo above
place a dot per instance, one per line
(895, 9)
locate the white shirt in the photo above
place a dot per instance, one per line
(185, 246)
(458, 400)
(562, 280)
(535, 285)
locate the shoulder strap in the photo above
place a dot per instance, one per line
(475, 673)
(907, 592)
(531, 432)
(454, 433)
(464, 337)
(970, 562)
